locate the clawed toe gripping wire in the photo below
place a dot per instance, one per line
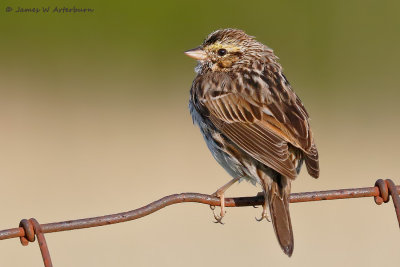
(28, 229)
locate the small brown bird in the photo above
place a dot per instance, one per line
(255, 126)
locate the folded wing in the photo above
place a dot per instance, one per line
(265, 118)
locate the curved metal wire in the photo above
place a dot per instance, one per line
(29, 228)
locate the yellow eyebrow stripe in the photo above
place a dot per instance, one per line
(218, 45)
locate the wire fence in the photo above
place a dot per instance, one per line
(29, 229)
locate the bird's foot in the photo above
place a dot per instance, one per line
(265, 214)
(222, 213)
(221, 194)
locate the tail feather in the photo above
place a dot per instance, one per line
(279, 208)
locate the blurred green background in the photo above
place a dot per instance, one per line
(94, 120)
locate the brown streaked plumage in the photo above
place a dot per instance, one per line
(252, 121)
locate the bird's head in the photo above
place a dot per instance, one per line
(228, 50)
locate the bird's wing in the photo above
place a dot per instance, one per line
(262, 115)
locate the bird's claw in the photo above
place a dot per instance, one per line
(264, 215)
(218, 218)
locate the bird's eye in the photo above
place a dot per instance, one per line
(221, 52)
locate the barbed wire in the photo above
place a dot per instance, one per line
(28, 229)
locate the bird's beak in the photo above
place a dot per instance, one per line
(197, 53)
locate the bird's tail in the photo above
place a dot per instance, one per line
(278, 199)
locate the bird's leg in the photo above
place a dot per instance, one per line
(221, 194)
(265, 213)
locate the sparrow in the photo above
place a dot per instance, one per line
(254, 124)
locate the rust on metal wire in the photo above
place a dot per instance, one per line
(386, 188)
(29, 228)
(32, 228)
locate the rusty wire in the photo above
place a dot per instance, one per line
(29, 228)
